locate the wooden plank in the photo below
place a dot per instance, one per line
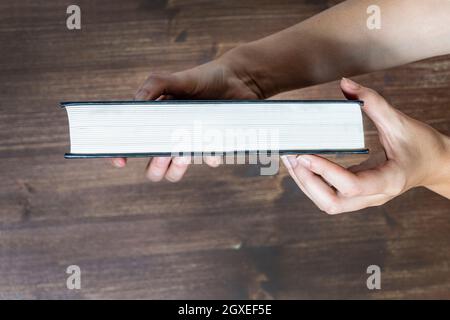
(220, 233)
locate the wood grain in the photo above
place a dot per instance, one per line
(220, 233)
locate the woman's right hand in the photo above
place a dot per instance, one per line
(415, 155)
(216, 80)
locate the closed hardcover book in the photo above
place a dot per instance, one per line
(182, 127)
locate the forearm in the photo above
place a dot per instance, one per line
(337, 42)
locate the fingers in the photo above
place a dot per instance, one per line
(353, 191)
(378, 180)
(347, 183)
(173, 169)
(119, 162)
(288, 166)
(157, 85)
(212, 161)
(319, 191)
(375, 106)
(177, 168)
(322, 194)
(343, 180)
(157, 168)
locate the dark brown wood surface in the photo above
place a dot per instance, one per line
(220, 233)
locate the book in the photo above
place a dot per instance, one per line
(183, 127)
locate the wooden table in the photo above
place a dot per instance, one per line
(220, 233)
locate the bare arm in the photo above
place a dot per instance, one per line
(337, 42)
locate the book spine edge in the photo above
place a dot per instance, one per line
(169, 154)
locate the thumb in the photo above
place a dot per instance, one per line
(158, 85)
(375, 106)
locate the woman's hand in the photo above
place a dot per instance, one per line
(214, 80)
(415, 155)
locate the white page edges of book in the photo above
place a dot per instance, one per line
(224, 127)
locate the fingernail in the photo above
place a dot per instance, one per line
(138, 95)
(155, 175)
(215, 162)
(351, 84)
(289, 161)
(212, 161)
(118, 163)
(161, 160)
(182, 160)
(285, 161)
(304, 161)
